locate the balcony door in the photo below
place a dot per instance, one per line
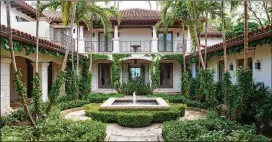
(165, 42)
(166, 75)
(104, 43)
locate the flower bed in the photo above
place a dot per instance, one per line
(211, 129)
(134, 118)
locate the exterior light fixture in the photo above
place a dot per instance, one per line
(231, 66)
(258, 65)
(177, 34)
(74, 30)
(93, 34)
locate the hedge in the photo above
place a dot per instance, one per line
(210, 129)
(134, 119)
(158, 116)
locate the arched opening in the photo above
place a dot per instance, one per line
(136, 69)
(24, 65)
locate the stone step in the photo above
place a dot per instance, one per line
(133, 138)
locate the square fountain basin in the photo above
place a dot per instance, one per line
(141, 104)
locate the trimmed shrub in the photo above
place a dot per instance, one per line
(140, 87)
(134, 119)
(172, 98)
(175, 111)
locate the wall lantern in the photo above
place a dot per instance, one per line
(177, 34)
(93, 34)
(258, 65)
(74, 30)
(135, 61)
(231, 66)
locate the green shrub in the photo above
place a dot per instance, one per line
(211, 129)
(134, 119)
(16, 133)
(140, 87)
(172, 98)
(175, 111)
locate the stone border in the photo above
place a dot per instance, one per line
(197, 109)
(108, 105)
(64, 112)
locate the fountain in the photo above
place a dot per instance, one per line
(134, 104)
(134, 98)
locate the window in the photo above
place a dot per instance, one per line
(165, 43)
(220, 70)
(136, 73)
(166, 75)
(21, 19)
(240, 63)
(104, 75)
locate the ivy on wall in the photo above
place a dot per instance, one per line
(85, 85)
(116, 69)
(233, 50)
(100, 57)
(155, 71)
(37, 93)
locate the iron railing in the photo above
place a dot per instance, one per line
(58, 36)
(98, 46)
(135, 46)
(171, 45)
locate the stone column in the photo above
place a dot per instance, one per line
(188, 45)
(5, 85)
(194, 70)
(43, 70)
(116, 40)
(154, 43)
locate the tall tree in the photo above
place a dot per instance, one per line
(20, 86)
(245, 34)
(224, 37)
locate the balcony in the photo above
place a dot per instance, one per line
(171, 45)
(58, 36)
(98, 46)
(135, 46)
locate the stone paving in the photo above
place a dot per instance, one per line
(116, 132)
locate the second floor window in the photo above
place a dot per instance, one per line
(104, 42)
(165, 42)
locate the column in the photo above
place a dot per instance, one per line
(194, 70)
(43, 70)
(44, 28)
(154, 42)
(116, 40)
(5, 85)
(188, 45)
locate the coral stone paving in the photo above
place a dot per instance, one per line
(116, 132)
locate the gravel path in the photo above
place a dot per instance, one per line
(153, 132)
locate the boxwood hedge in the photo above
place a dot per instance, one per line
(157, 116)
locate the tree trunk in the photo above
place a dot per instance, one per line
(91, 38)
(206, 39)
(224, 38)
(150, 6)
(77, 65)
(14, 61)
(183, 40)
(245, 34)
(267, 11)
(71, 37)
(255, 14)
(37, 35)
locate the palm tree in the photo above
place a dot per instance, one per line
(224, 37)
(81, 16)
(20, 86)
(245, 34)
(150, 6)
(68, 16)
(102, 15)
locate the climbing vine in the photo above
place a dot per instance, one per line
(85, 85)
(37, 93)
(20, 86)
(116, 69)
(227, 84)
(155, 71)
(100, 57)
(71, 84)
(55, 90)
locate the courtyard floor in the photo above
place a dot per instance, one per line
(153, 132)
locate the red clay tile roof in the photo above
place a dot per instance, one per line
(29, 39)
(261, 33)
(212, 32)
(55, 16)
(136, 14)
(24, 8)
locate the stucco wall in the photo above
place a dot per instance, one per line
(262, 53)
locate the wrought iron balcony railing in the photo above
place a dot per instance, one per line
(171, 45)
(98, 46)
(135, 46)
(58, 36)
